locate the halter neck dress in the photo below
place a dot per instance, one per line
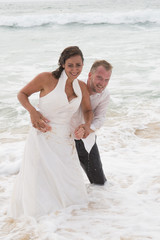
(50, 176)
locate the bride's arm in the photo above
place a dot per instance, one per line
(86, 109)
(36, 85)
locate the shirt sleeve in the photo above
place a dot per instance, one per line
(100, 114)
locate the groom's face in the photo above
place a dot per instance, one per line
(98, 80)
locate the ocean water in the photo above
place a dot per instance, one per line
(127, 34)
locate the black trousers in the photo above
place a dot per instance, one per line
(91, 163)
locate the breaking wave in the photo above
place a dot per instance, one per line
(135, 17)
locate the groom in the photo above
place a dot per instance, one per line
(87, 149)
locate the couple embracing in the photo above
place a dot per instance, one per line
(63, 130)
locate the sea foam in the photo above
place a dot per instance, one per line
(131, 17)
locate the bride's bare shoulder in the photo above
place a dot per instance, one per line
(47, 79)
(46, 76)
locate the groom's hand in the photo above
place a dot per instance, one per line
(79, 132)
(86, 129)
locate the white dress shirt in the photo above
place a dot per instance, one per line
(99, 103)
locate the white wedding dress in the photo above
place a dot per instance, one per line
(50, 176)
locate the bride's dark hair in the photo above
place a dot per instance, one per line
(66, 54)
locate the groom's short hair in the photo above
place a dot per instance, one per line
(102, 63)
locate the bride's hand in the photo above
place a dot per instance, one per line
(86, 128)
(79, 132)
(39, 121)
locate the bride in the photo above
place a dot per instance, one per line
(50, 176)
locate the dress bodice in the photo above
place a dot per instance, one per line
(55, 105)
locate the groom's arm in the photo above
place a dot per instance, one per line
(100, 113)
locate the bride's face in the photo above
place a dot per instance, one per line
(73, 66)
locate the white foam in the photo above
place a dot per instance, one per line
(130, 17)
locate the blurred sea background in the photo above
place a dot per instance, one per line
(127, 34)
